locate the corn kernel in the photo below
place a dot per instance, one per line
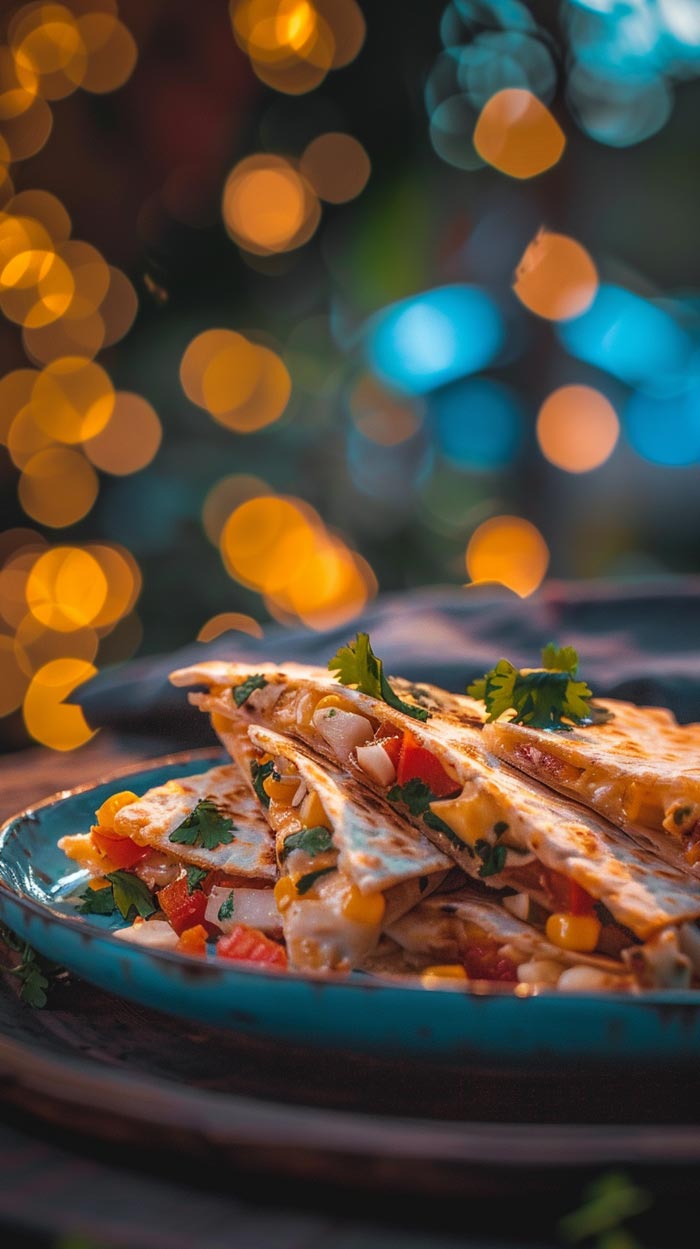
(573, 932)
(281, 790)
(336, 700)
(97, 883)
(312, 814)
(106, 813)
(285, 892)
(434, 977)
(366, 908)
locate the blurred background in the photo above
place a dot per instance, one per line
(306, 300)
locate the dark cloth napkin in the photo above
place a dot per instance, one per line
(638, 640)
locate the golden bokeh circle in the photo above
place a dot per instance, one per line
(66, 589)
(130, 439)
(268, 206)
(556, 278)
(73, 399)
(517, 134)
(58, 487)
(337, 167)
(509, 550)
(577, 428)
(47, 716)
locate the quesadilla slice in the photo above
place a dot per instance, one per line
(601, 892)
(347, 865)
(640, 769)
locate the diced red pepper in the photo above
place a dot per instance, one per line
(181, 908)
(483, 962)
(193, 940)
(391, 743)
(122, 852)
(566, 894)
(417, 763)
(250, 945)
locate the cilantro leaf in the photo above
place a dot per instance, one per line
(34, 985)
(306, 882)
(205, 827)
(242, 692)
(417, 797)
(546, 698)
(97, 902)
(195, 876)
(131, 895)
(312, 840)
(356, 664)
(259, 773)
(493, 858)
(226, 908)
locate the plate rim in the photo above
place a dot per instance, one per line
(480, 989)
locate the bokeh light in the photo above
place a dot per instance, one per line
(292, 44)
(268, 206)
(243, 385)
(73, 399)
(433, 338)
(510, 551)
(381, 416)
(517, 134)
(336, 166)
(556, 277)
(224, 497)
(13, 681)
(111, 50)
(66, 589)
(577, 428)
(665, 429)
(130, 439)
(478, 423)
(58, 487)
(49, 719)
(629, 337)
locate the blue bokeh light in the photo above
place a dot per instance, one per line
(665, 428)
(478, 423)
(630, 338)
(434, 338)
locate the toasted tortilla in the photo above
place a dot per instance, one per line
(151, 820)
(640, 769)
(642, 894)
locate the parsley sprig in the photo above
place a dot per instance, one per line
(205, 827)
(259, 772)
(32, 979)
(356, 664)
(313, 841)
(242, 692)
(125, 893)
(549, 697)
(416, 796)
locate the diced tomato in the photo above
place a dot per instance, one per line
(417, 763)
(566, 894)
(193, 940)
(122, 852)
(181, 908)
(249, 945)
(391, 743)
(483, 962)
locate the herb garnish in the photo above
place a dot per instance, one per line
(312, 840)
(609, 1201)
(306, 882)
(417, 797)
(543, 697)
(226, 908)
(195, 876)
(126, 894)
(356, 664)
(205, 827)
(493, 858)
(242, 692)
(32, 980)
(259, 773)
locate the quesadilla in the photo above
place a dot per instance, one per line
(600, 891)
(347, 865)
(640, 769)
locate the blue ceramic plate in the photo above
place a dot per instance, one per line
(364, 1013)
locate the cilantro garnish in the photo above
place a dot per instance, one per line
(242, 692)
(610, 1200)
(195, 876)
(312, 840)
(226, 908)
(545, 698)
(417, 797)
(306, 882)
(493, 858)
(259, 773)
(126, 894)
(205, 827)
(32, 980)
(356, 664)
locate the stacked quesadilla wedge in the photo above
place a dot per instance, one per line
(581, 882)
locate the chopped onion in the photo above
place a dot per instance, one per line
(264, 699)
(343, 730)
(254, 907)
(374, 760)
(155, 933)
(540, 971)
(582, 979)
(518, 904)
